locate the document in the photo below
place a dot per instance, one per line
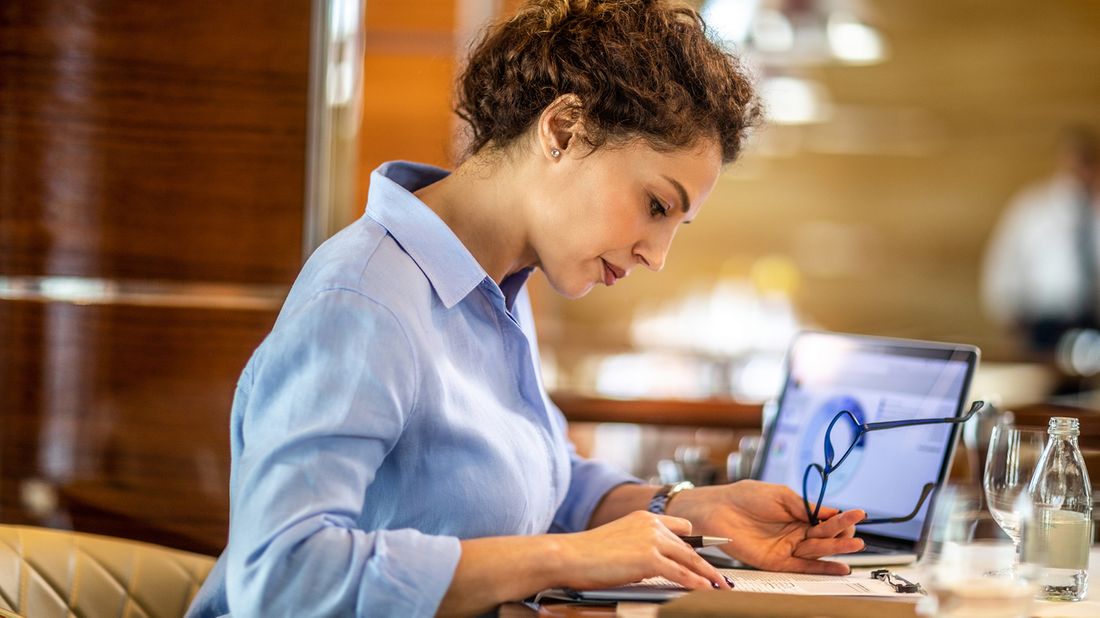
(661, 589)
(798, 583)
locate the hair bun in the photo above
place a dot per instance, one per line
(640, 68)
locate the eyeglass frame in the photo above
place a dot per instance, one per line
(895, 581)
(861, 430)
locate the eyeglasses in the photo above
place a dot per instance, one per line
(895, 581)
(860, 430)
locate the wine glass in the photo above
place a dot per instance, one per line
(967, 567)
(1010, 462)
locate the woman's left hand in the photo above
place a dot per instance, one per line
(768, 527)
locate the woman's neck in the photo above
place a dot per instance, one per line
(482, 204)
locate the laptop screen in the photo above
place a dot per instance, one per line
(877, 380)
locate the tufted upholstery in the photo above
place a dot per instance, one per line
(46, 573)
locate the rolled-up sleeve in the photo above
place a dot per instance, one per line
(328, 395)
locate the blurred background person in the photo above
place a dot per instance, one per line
(1040, 271)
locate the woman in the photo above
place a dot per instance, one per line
(394, 452)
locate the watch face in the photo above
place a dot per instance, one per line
(664, 494)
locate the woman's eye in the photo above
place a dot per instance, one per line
(657, 209)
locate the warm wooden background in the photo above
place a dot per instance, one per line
(166, 142)
(884, 211)
(139, 138)
(889, 240)
(142, 142)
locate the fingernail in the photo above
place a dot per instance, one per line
(715, 586)
(728, 580)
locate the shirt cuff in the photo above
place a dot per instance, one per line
(410, 573)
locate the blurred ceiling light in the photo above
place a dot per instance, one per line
(854, 42)
(772, 32)
(796, 32)
(730, 20)
(794, 100)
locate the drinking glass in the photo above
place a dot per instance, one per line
(1010, 462)
(967, 567)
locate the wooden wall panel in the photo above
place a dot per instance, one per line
(124, 412)
(435, 16)
(417, 129)
(408, 73)
(153, 140)
(143, 146)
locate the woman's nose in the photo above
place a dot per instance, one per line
(652, 252)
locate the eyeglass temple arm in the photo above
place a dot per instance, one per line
(924, 493)
(863, 428)
(974, 408)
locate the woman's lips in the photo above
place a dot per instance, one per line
(610, 273)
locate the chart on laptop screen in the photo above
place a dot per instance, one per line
(886, 470)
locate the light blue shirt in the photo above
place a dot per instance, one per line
(395, 408)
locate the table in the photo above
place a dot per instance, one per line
(1089, 608)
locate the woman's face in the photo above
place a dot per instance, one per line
(618, 208)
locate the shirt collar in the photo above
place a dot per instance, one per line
(449, 266)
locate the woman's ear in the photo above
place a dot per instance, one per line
(560, 125)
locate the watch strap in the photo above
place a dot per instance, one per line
(659, 502)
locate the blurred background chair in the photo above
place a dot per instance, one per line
(46, 573)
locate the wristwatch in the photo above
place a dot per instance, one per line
(660, 499)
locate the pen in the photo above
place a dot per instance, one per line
(704, 541)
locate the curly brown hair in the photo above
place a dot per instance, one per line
(639, 69)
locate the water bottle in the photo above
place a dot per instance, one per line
(1061, 531)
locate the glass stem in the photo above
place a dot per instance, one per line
(1016, 562)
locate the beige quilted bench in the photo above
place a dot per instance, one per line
(46, 573)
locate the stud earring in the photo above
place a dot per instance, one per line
(554, 152)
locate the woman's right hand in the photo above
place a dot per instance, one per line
(632, 548)
(492, 570)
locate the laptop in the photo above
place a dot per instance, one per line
(877, 379)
